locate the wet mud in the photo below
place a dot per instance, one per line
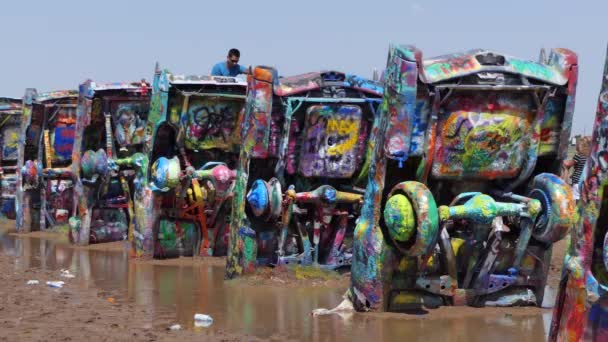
(114, 297)
(74, 312)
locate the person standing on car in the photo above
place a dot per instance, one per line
(231, 66)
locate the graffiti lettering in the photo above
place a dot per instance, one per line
(212, 124)
(345, 134)
(330, 144)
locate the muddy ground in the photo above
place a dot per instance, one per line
(75, 312)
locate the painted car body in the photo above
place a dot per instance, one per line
(580, 309)
(462, 202)
(108, 160)
(193, 146)
(302, 169)
(44, 197)
(10, 118)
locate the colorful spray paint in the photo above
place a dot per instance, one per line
(193, 140)
(109, 166)
(10, 118)
(44, 197)
(462, 202)
(580, 309)
(296, 202)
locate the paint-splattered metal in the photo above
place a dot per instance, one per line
(580, 309)
(297, 198)
(460, 138)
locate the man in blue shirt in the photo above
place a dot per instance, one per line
(231, 66)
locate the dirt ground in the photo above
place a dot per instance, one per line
(73, 313)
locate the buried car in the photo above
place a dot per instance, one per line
(44, 196)
(108, 162)
(10, 118)
(302, 169)
(195, 137)
(462, 204)
(580, 310)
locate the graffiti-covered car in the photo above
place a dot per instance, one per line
(108, 162)
(194, 126)
(44, 182)
(580, 310)
(463, 203)
(10, 119)
(302, 175)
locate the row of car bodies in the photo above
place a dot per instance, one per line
(462, 202)
(65, 175)
(44, 191)
(158, 167)
(210, 133)
(438, 186)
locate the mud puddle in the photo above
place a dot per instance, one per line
(176, 291)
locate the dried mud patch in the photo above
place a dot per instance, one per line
(58, 233)
(47, 235)
(183, 261)
(296, 276)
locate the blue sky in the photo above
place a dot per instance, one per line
(58, 44)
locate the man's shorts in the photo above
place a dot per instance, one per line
(575, 192)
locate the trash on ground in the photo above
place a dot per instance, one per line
(55, 284)
(344, 310)
(202, 320)
(67, 274)
(175, 327)
(32, 282)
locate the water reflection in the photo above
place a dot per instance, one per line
(178, 292)
(477, 328)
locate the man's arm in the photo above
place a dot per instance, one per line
(565, 172)
(245, 70)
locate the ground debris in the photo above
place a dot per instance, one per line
(92, 318)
